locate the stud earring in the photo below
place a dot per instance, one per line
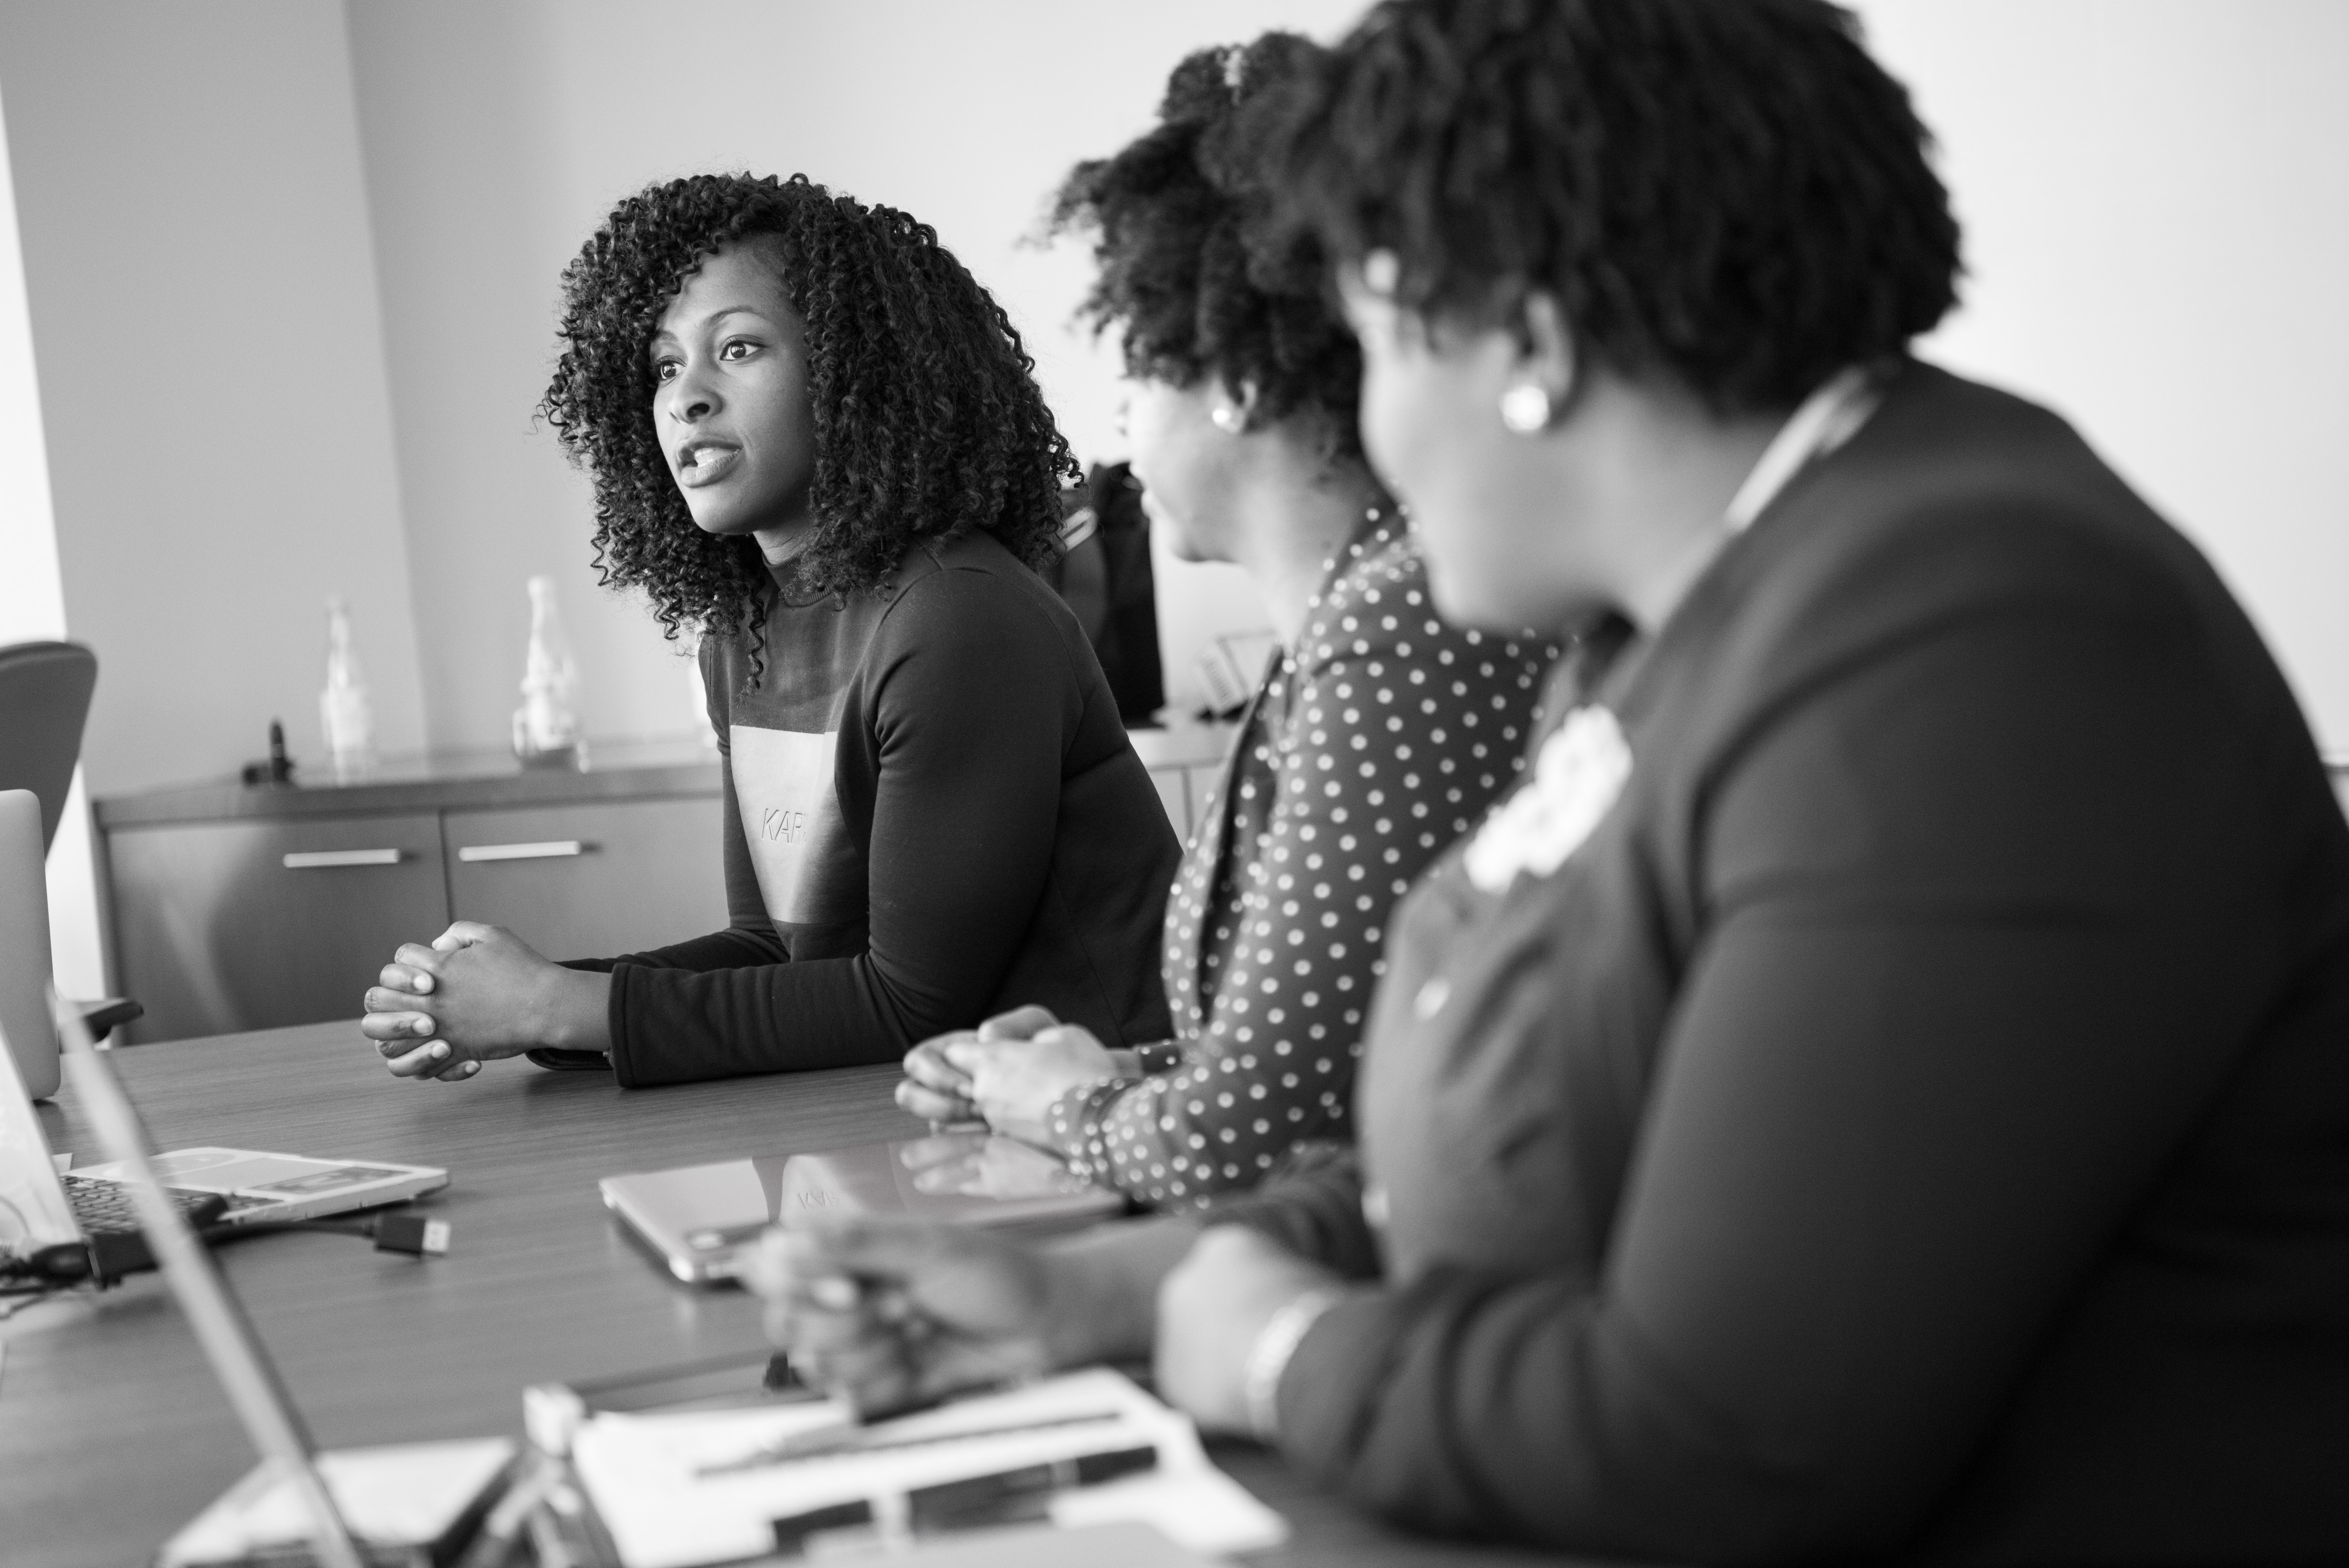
(1525, 408)
(1227, 419)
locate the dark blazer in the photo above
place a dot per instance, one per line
(1914, 1122)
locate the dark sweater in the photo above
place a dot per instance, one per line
(932, 814)
(1914, 1122)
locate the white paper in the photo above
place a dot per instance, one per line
(1202, 1508)
(646, 1472)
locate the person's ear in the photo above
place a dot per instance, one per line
(1366, 293)
(1236, 410)
(1543, 378)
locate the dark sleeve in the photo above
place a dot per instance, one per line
(748, 940)
(1362, 807)
(1973, 957)
(1313, 1206)
(972, 700)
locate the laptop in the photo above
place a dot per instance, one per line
(41, 1206)
(365, 1508)
(696, 1218)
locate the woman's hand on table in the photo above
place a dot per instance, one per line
(1011, 1069)
(1025, 1060)
(934, 1089)
(477, 994)
(890, 1315)
(1212, 1310)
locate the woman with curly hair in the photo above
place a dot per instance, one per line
(816, 439)
(1879, 1090)
(1377, 734)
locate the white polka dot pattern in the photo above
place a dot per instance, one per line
(1371, 744)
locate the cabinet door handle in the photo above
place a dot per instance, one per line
(552, 848)
(320, 860)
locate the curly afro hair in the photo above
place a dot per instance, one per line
(1191, 265)
(928, 422)
(1734, 194)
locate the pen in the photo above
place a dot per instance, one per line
(845, 1439)
(1007, 1497)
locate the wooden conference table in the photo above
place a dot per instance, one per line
(113, 1433)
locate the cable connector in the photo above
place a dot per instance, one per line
(103, 1258)
(415, 1235)
(411, 1234)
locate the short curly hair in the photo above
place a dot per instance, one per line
(1730, 191)
(1191, 265)
(928, 422)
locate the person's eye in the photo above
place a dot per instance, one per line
(664, 370)
(737, 348)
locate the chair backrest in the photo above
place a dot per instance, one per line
(44, 700)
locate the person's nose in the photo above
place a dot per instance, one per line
(691, 397)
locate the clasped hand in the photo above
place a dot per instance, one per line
(478, 993)
(1008, 1072)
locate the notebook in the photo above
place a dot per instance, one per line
(1087, 1450)
(696, 1217)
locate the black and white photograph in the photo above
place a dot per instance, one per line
(1282, 783)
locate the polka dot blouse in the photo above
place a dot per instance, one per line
(1374, 742)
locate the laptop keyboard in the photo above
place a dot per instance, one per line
(105, 1207)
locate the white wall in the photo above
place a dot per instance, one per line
(218, 429)
(2153, 224)
(32, 594)
(32, 597)
(497, 137)
(2158, 228)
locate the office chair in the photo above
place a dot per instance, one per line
(44, 698)
(44, 690)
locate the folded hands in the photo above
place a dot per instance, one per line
(1008, 1072)
(476, 994)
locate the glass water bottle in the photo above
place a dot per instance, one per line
(547, 725)
(344, 711)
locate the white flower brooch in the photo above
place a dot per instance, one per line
(1579, 772)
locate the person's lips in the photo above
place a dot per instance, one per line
(703, 462)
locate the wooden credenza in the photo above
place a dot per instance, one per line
(234, 908)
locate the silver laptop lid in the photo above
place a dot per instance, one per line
(25, 943)
(243, 1366)
(696, 1216)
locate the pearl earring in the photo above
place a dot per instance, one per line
(1525, 408)
(1225, 418)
